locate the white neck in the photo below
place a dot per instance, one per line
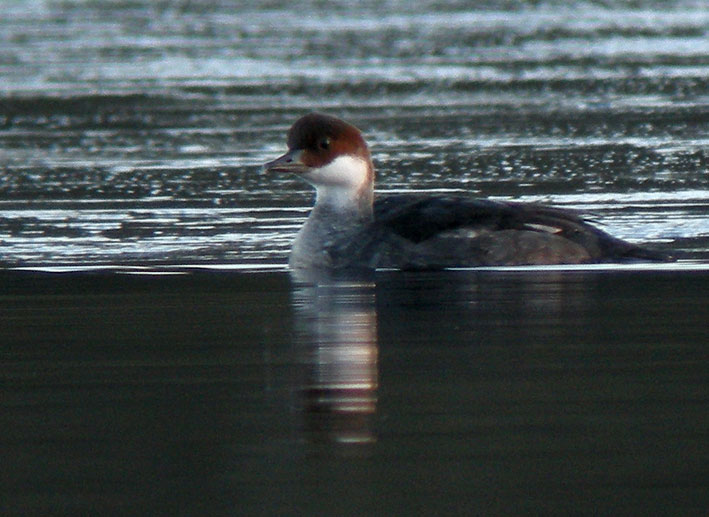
(336, 197)
(342, 209)
(343, 184)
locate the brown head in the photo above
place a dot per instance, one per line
(330, 154)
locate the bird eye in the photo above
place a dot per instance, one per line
(324, 144)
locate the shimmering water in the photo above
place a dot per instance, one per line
(192, 375)
(133, 132)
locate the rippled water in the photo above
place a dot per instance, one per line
(131, 139)
(133, 133)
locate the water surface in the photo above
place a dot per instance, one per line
(212, 393)
(133, 133)
(175, 367)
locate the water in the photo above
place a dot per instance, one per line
(492, 392)
(133, 133)
(176, 367)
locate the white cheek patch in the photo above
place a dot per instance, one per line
(343, 171)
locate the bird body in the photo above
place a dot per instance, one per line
(349, 228)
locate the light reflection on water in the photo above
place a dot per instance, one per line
(157, 110)
(174, 364)
(336, 324)
(156, 355)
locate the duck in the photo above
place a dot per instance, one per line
(349, 228)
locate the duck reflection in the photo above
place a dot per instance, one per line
(337, 338)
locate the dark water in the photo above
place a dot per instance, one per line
(461, 392)
(192, 375)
